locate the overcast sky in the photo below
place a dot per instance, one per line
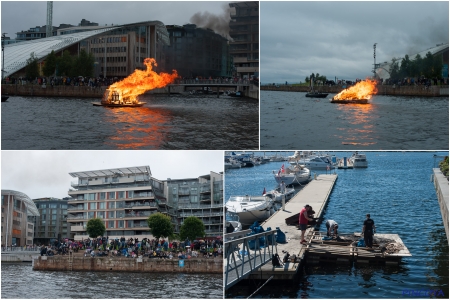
(41, 174)
(336, 39)
(23, 15)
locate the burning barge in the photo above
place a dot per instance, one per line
(350, 101)
(360, 93)
(115, 99)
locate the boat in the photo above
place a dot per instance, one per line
(232, 222)
(359, 160)
(4, 98)
(317, 162)
(250, 208)
(277, 196)
(231, 163)
(293, 175)
(115, 99)
(351, 101)
(316, 94)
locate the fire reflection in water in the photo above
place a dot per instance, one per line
(361, 130)
(138, 128)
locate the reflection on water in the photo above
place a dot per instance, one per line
(289, 120)
(165, 122)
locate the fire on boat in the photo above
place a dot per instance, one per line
(360, 93)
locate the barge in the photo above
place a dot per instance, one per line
(116, 99)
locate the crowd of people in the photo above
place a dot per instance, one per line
(133, 247)
(92, 82)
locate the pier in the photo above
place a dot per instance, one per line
(441, 186)
(316, 194)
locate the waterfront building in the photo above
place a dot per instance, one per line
(200, 197)
(197, 52)
(244, 30)
(18, 212)
(117, 49)
(124, 198)
(51, 223)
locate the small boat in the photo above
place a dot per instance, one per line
(250, 208)
(293, 175)
(317, 162)
(115, 99)
(351, 101)
(232, 222)
(359, 160)
(277, 196)
(232, 164)
(316, 94)
(4, 98)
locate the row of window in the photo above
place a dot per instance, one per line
(51, 205)
(109, 50)
(116, 39)
(113, 195)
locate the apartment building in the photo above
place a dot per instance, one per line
(51, 223)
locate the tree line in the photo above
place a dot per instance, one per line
(428, 67)
(64, 65)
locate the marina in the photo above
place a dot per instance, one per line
(353, 195)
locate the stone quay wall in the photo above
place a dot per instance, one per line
(441, 186)
(416, 91)
(118, 264)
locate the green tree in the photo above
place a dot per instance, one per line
(192, 228)
(84, 64)
(50, 64)
(65, 64)
(32, 68)
(160, 225)
(95, 227)
(394, 69)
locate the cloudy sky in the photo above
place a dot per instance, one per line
(41, 174)
(23, 15)
(336, 39)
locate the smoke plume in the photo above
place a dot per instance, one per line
(218, 23)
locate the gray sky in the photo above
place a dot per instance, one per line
(41, 174)
(337, 38)
(23, 15)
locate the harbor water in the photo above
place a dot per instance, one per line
(165, 122)
(20, 281)
(397, 191)
(289, 120)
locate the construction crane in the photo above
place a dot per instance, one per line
(49, 27)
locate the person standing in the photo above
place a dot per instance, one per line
(368, 231)
(303, 220)
(282, 187)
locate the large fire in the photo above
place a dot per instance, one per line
(362, 90)
(139, 82)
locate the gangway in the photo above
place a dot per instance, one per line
(241, 258)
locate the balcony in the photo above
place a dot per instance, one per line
(79, 207)
(140, 214)
(69, 217)
(77, 228)
(140, 205)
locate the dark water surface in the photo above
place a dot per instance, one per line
(396, 190)
(289, 120)
(20, 281)
(165, 122)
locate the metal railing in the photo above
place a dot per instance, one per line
(242, 259)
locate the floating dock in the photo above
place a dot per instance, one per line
(316, 194)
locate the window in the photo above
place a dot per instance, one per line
(90, 214)
(64, 206)
(53, 217)
(111, 204)
(111, 214)
(102, 196)
(110, 224)
(43, 211)
(112, 195)
(93, 205)
(130, 224)
(130, 194)
(121, 195)
(121, 224)
(101, 205)
(101, 214)
(120, 214)
(194, 198)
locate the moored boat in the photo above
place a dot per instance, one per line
(359, 160)
(250, 208)
(293, 175)
(316, 94)
(277, 196)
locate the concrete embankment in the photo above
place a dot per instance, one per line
(416, 91)
(117, 264)
(19, 256)
(441, 186)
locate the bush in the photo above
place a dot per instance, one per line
(443, 166)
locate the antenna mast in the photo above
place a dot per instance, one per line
(49, 27)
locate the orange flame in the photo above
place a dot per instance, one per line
(362, 90)
(141, 81)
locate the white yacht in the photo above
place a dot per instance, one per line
(293, 175)
(317, 162)
(359, 160)
(277, 196)
(250, 208)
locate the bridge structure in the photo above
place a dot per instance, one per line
(214, 86)
(246, 253)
